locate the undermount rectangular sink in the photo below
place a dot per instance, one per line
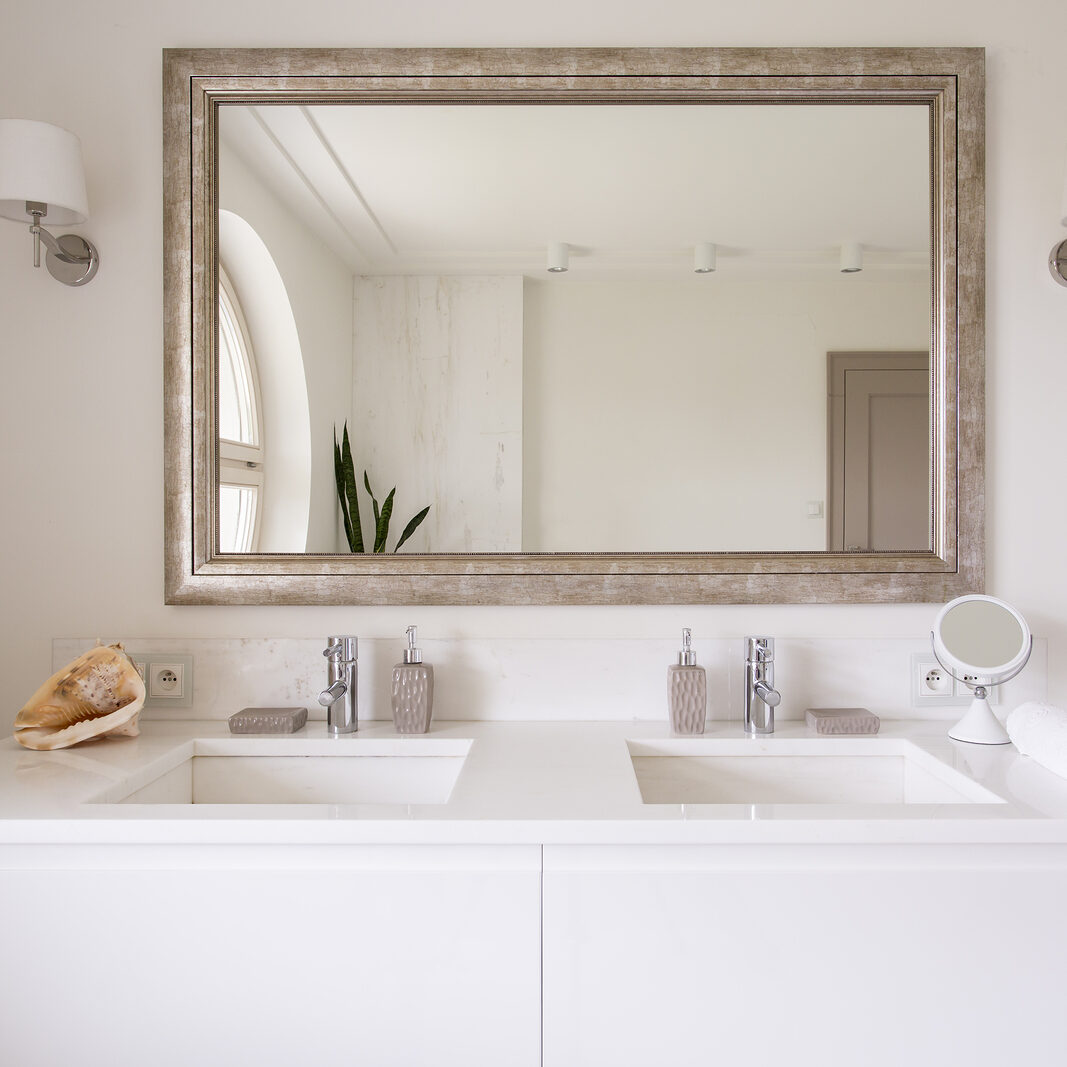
(336, 771)
(797, 771)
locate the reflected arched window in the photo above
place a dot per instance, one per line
(240, 429)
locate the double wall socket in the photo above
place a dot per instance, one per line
(168, 678)
(933, 686)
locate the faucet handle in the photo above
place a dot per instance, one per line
(759, 649)
(341, 649)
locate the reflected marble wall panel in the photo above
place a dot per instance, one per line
(437, 406)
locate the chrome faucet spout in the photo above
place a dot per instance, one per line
(761, 698)
(340, 697)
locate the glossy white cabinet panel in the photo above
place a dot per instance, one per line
(383, 956)
(738, 955)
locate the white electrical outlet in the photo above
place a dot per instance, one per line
(168, 678)
(933, 686)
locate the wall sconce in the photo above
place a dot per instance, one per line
(559, 256)
(1057, 260)
(704, 258)
(41, 177)
(851, 258)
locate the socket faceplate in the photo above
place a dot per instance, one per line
(161, 690)
(949, 693)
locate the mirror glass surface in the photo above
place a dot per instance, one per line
(385, 266)
(982, 633)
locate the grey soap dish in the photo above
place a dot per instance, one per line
(842, 721)
(268, 720)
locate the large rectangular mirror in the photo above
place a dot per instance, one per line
(632, 326)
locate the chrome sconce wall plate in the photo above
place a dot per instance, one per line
(1057, 262)
(41, 177)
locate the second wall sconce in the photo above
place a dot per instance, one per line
(1057, 260)
(41, 178)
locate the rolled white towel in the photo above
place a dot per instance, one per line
(1040, 732)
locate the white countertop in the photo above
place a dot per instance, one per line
(521, 783)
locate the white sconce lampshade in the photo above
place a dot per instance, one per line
(851, 258)
(41, 163)
(559, 255)
(704, 258)
(42, 181)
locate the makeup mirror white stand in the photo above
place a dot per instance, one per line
(981, 642)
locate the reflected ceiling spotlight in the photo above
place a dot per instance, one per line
(559, 257)
(851, 257)
(1057, 260)
(704, 258)
(41, 177)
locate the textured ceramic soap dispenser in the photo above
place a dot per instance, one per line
(687, 690)
(412, 690)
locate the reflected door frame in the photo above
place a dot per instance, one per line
(841, 504)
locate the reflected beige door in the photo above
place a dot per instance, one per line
(879, 452)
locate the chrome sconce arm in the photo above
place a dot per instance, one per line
(71, 259)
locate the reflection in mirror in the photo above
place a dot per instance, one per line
(630, 404)
(981, 642)
(982, 634)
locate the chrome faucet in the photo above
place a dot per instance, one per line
(761, 698)
(340, 695)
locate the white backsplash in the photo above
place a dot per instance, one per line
(549, 679)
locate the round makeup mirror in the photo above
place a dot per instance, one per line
(981, 642)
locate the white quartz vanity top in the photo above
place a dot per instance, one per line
(550, 783)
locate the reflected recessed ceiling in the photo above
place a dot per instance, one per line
(485, 187)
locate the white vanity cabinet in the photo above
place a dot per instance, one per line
(278, 955)
(878, 955)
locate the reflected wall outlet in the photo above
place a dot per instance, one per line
(168, 678)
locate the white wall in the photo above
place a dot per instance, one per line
(81, 406)
(691, 416)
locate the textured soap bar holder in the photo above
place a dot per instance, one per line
(268, 720)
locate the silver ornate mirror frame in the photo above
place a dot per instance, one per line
(950, 81)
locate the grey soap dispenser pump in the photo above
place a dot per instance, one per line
(687, 690)
(412, 690)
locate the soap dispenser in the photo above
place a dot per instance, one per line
(687, 690)
(412, 690)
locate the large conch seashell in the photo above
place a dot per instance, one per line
(99, 693)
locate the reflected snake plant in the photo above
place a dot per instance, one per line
(345, 476)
